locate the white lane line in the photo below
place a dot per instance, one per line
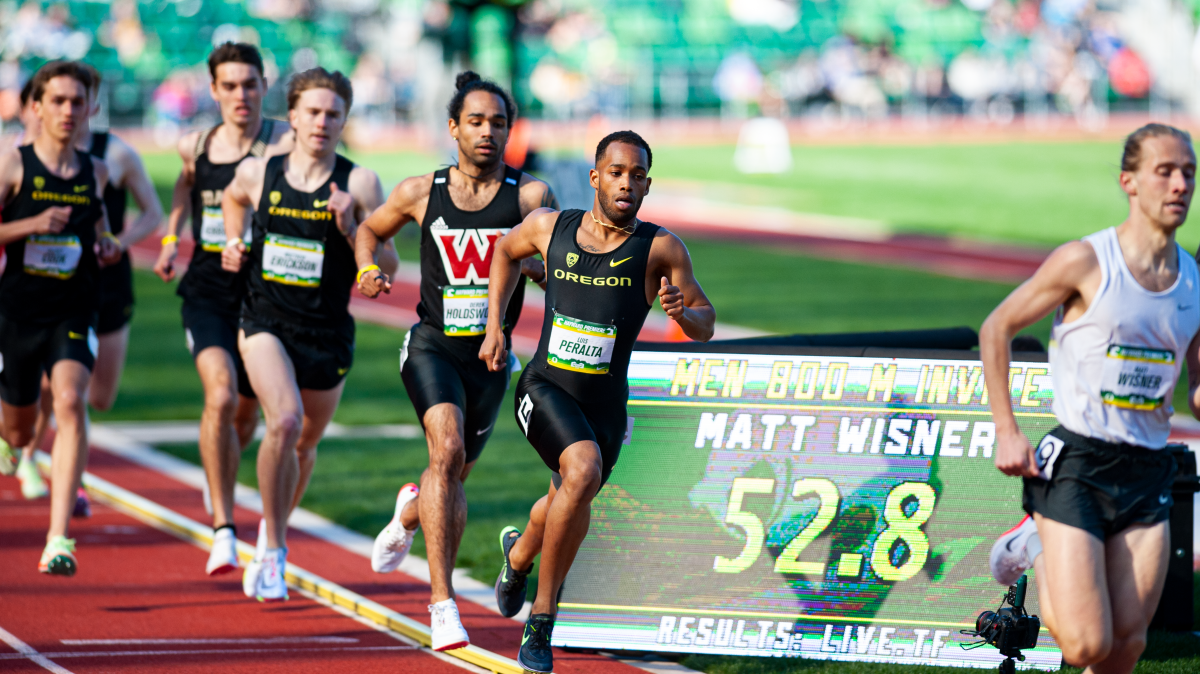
(206, 642)
(197, 651)
(26, 652)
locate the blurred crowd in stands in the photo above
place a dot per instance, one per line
(991, 60)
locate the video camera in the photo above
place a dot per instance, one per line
(1008, 629)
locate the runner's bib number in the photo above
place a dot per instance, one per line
(212, 229)
(293, 261)
(53, 255)
(581, 346)
(1137, 378)
(464, 310)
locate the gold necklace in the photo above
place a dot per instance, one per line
(614, 227)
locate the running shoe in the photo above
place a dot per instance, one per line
(272, 585)
(32, 484)
(254, 568)
(511, 584)
(446, 626)
(83, 506)
(535, 654)
(223, 557)
(8, 460)
(1010, 553)
(392, 544)
(58, 559)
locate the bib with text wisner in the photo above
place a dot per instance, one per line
(581, 346)
(464, 310)
(292, 261)
(1137, 378)
(53, 255)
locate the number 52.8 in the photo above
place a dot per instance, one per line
(899, 526)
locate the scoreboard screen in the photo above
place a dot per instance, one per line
(804, 506)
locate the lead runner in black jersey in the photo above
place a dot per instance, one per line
(212, 297)
(604, 269)
(296, 335)
(56, 238)
(462, 210)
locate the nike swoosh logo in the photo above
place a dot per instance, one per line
(486, 429)
(1163, 498)
(343, 370)
(75, 335)
(80, 188)
(1008, 545)
(613, 263)
(1184, 308)
(320, 204)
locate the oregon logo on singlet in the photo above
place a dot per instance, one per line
(467, 253)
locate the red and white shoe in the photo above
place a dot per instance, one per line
(1010, 553)
(392, 544)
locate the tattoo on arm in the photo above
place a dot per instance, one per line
(548, 199)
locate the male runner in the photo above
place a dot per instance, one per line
(604, 269)
(462, 211)
(1098, 488)
(296, 335)
(212, 297)
(48, 292)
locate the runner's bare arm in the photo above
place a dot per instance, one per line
(50, 221)
(527, 239)
(678, 291)
(1193, 367)
(108, 247)
(237, 200)
(535, 194)
(283, 139)
(405, 204)
(181, 207)
(133, 177)
(1072, 270)
(368, 186)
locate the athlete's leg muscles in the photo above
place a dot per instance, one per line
(110, 362)
(45, 410)
(245, 420)
(220, 452)
(19, 423)
(319, 407)
(529, 545)
(567, 519)
(69, 382)
(274, 381)
(442, 503)
(1137, 570)
(410, 516)
(1073, 591)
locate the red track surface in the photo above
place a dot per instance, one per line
(136, 582)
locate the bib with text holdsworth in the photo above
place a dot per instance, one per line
(292, 261)
(53, 255)
(464, 310)
(1137, 378)
(581, 346)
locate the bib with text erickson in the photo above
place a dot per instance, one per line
(581, 346)
(212, 229)
(1137, 378)
(464, 310)
(53, 255)
(293, 261)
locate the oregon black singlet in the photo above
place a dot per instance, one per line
(595, 308)
(206, 283)
(51, 277)
(301, 265)
(456, 259)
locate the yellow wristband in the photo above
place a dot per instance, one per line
(233, 242)
(112, 237)
(366, 269)
(170, 238)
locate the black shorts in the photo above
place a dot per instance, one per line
(1100, 487)
(116, 297)
(26, 351)
(206, 328)
(553, 420)
(438, 369)
(320, 357)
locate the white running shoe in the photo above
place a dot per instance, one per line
(1010, 553)
(8, 459)
(272, 585)
(448, 632)
(392, 544)
(32, 484)
(207, 495)
(223, 557)
(254, 568)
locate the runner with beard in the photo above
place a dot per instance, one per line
(604, 269)
(56, 237)
(462, 211)
(296, 334)
(212, 297)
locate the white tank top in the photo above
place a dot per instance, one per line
(1115, 368)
